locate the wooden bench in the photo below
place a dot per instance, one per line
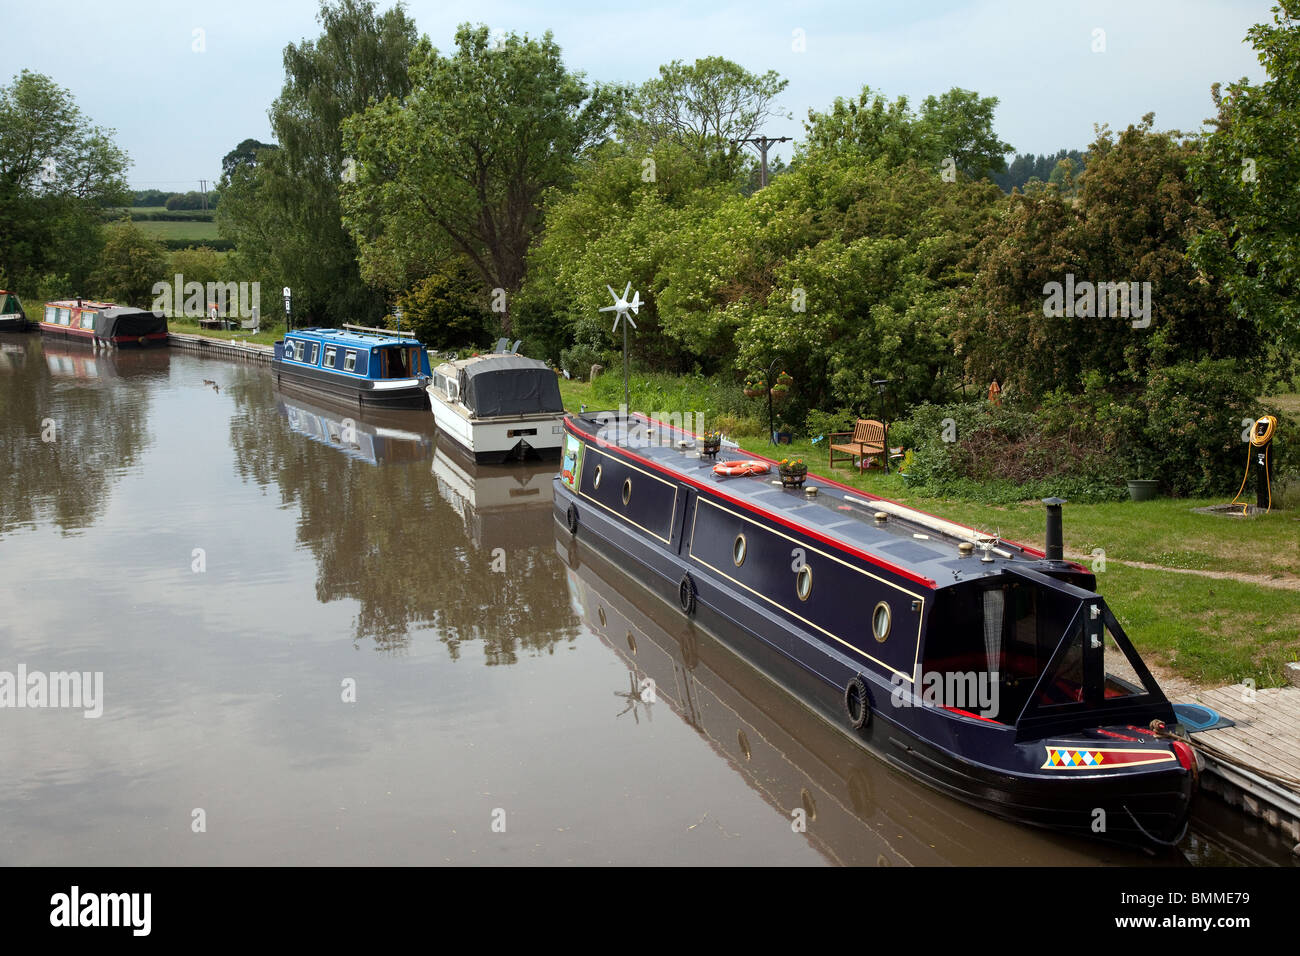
(868, 438)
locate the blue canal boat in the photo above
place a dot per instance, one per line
(372, 368)
(989, 670)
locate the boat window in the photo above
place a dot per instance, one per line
(881, 621)
(803, 582)
(1121, 679)
(65, 316)
(51, 314)
(738, 548)
(350, 361)
(595, 480)
(627, 490)
(330, 353)
(1065, 684)
(315, 351)
(299, 349)
(87, 320)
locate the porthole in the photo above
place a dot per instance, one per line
(631, 642)
(738, 550)
(595, 480)
(743, 741)
(881, 621)
(600, 613)
(627, 490)
(803, 582)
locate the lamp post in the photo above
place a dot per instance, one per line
(398, 313)
(770, 380)
(288, 321)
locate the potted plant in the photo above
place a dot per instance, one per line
(780, 392)
(712, 442)
(784, 379)
(1142, 489)
(793, 471)
(755, 386)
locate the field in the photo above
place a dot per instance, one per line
(198, 231)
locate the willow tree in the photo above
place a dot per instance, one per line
(459, 167)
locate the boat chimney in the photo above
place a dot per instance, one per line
(1055, 538)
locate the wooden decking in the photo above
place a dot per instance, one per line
(1256, 764)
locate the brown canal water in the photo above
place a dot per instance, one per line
(333, 642)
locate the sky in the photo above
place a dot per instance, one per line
(183, 82)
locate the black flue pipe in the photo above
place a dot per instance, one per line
(1055, 536)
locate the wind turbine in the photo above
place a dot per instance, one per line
(621, 308)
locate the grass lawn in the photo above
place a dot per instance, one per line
(1210, 631)
(196, 231)
(268, 336)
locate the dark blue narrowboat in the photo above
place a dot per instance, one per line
(986, 669)
(374, 368)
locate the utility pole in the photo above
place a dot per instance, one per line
(762, 144)
(203, 186)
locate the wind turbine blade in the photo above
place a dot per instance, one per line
(626, 291)
(609, 308)
(636, 302)
(612, 294)
(629, 319)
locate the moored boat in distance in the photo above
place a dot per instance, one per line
(13, 318)
(499, 406)
(376, 368)
(989, 670)
(104, 324)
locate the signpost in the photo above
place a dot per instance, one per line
(288, 321)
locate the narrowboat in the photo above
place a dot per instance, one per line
(375, 368)
(12, 316)
(104, 324)
(986, 669)
(373, 436)
(499, 406)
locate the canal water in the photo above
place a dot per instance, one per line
(325, 638)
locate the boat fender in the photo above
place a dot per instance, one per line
(686, 593)
(573, 519)
(856, 704)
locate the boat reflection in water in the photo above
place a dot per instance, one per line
(374, 436)
(501, 505)
(73, 360)
(857, 810)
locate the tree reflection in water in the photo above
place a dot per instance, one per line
(99, 428)
(412, 557)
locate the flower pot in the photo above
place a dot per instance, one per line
(711, 448)
(792, 477)
(1143, 489)
(780, 393)
(754, 392)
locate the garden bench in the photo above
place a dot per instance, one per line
(867, 438)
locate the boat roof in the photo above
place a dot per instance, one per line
(356, 340)
(919, 546)
(82, 304)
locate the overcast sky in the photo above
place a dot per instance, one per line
(132, 65)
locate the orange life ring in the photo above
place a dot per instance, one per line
(735, 469)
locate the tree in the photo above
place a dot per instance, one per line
(284, 203)
(460, 167)
(56, 172)
(709, 107)
(960, 123)
(130, 265)
(1248, 167)
(1133, 221)
(444, 310)
(957, 124)
(247, 155)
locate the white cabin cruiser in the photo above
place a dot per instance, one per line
(499, 406)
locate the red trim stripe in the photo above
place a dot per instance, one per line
(808, 532)
(967, 713)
